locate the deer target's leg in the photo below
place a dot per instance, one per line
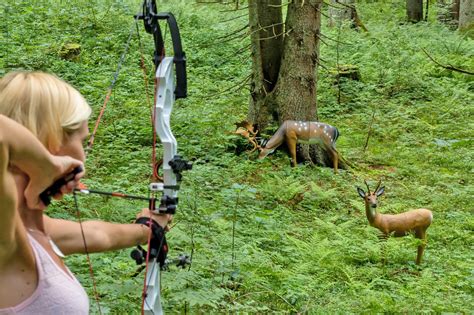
(335, 159)
(420, 234)
(292, 148)
(383, 247)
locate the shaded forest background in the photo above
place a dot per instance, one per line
(266, 237)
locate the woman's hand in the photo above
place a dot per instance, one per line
(44, 177)
(162, 219)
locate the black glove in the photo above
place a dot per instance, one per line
(158, 246)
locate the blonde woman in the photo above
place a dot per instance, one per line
(33, 276)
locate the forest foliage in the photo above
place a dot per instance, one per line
(266, 237)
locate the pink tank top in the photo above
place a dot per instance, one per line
(58, 292)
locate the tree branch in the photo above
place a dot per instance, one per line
(234, 87)
(234, 18)
(448, 66)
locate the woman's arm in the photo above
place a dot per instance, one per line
(24, 151)
(19, 148)
(8, 198)
(100, 236)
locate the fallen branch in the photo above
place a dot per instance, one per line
(448, 66)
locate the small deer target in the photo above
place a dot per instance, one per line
(398, 225)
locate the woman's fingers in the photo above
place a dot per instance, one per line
(63, 178)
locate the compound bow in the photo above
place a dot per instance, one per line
(166, 93)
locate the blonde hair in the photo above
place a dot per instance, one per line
(48, 106)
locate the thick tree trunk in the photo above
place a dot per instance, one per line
(296, 90)
(448, 12)
(285, 67)
(466, 15)
(266, 26)
(414, 10)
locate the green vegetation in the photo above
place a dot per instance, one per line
(267, 237)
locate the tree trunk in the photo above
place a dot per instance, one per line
(296, 90)
(266, 26)
(414, 10)
(285, 67)
(455, 10)
(339, 13)
(466, 15)
(448, 12)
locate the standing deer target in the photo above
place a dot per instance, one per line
(398, 225)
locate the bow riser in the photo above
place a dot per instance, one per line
(163, 107)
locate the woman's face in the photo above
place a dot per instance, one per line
(73, 143)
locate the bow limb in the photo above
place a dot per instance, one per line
(152, 301)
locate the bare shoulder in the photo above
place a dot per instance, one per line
(16, 247)
(18, 272)
(14, 243)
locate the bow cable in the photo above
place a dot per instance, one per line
(110, 88)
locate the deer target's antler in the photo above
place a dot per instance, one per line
(378, 186)
(367, 185)
(246, 130)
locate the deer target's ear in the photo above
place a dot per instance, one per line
(380, 191)
(361, 192)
